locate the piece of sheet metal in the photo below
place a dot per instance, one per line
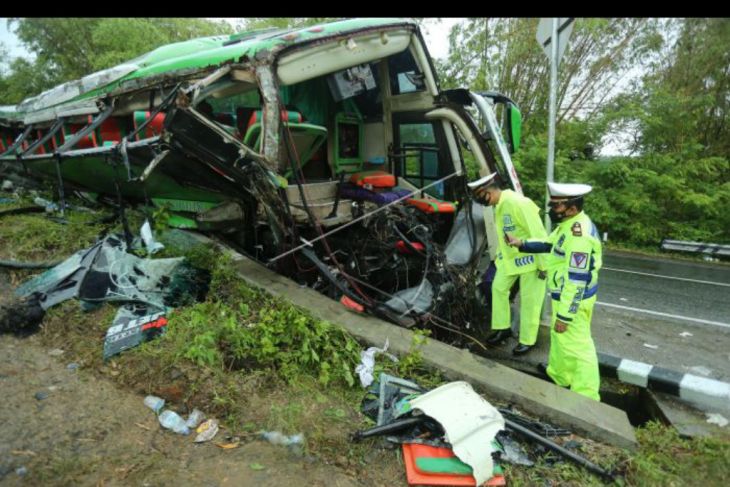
(470, 422)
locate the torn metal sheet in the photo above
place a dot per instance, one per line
(417, 299)
(133, 325)
(470, 423)
(467, 236)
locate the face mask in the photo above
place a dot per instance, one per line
(555, 216)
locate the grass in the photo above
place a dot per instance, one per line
(258, 363)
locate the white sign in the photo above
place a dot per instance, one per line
(545, 32)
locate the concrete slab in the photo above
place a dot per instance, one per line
(554, 404)
(688, 421)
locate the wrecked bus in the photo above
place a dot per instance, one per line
(328, 153)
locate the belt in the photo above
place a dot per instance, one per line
(588, 293)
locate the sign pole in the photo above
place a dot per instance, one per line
(554, 53)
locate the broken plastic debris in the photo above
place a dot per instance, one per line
(150, 243)
(685, 334)
(206, 431)
(154, 403)
(469, 421)
(367, 363)
(195, 418)
(653, 347)
(718, 419)
(172, 421)
(72, 366)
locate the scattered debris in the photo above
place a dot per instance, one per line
(278, 438)
(150, 243)
(538, 427)
(133, 324)
(256, 466)
(653, 347)
(194, 419)
(367, 363)
(228, 446)
(154, 403)
(512, 452)
(206, 431)
(21, 315)
(469, 421)
(718, 419)
(108, 272)
(685, 334)
(73, 366)
(21, 471)
(41, 395)
(172, 421)
(56, 352)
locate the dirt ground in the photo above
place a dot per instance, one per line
(61, 425)
(68, 427)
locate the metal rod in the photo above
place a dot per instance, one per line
(558, 449)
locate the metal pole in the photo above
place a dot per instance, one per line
(552, 116)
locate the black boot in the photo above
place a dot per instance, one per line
(499, 336)
(521, 349)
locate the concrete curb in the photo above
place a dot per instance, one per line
(593, 419)
(693, 388)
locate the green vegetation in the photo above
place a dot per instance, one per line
(674, 181)
(258, 363)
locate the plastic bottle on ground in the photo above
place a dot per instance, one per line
(172, 421)
(278, 438)
(154, 403)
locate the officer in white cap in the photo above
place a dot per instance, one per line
(518, 216)
(573, 263)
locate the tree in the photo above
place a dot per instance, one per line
(502, 54)
(70, 48)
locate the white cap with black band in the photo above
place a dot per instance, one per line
(482, 181)
(566, 190)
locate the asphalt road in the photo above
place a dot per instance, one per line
(665, 312)
(681, 293)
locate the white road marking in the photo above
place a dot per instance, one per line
(668, 315)
(666, 277)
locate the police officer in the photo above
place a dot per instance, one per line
(518, 216)
(573, 263)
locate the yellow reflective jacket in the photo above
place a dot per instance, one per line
(520, 217)
(573, 264)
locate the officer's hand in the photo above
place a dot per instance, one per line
(560, 326)
(512, 241)
(542, 275)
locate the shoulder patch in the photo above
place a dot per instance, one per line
(576, 229)
(579, 260)
(507, 220)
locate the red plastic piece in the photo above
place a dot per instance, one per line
(352, 305)
(432, 206)
(403, 247)
(373, 179)
(411, 451)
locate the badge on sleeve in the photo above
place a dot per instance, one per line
(577, 230)
(579, 260)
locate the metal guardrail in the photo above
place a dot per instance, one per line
(697, 247)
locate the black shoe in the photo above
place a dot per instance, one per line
(542, 367)
(521, 349)
(499, 336)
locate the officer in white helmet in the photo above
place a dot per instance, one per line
(517, 216)
(573, 262)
